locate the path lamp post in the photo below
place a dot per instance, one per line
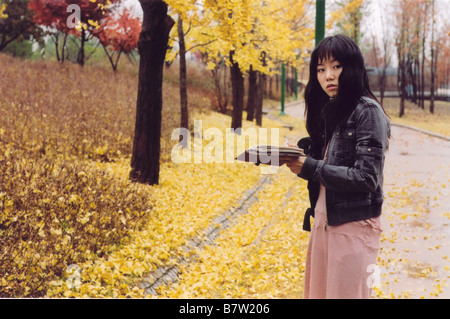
(283, 87)
(320, 20)
(296, 83)
(319, 35)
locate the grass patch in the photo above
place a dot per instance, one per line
(421, 118)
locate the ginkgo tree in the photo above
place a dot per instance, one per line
(347, 18)
(287, 37)
(187, 30)
(248, 35)
(245, 34)
(276, 32)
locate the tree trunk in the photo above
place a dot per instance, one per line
(252, 93)
(401, 79)
(402, 90)
(261, 86)
(277, 85)
(382, 82)
(412, 76)
(237, 88)
(221, 85)
(63, 50)
(80, 57)
(401, 73)
(433, 78)
(270, 95)
(183, 87)
(433, 60)
(422, 75)
(152, 47)
(259, 103)
(111, 56)
(56, 41)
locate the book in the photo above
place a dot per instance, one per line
(270, 154)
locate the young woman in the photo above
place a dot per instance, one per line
(348, 136)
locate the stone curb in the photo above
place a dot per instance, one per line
(421, 131)
(165, 275)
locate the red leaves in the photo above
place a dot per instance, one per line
(54, 13)
(116, 29)
(120, 32)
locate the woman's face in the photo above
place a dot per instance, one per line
(328, 71)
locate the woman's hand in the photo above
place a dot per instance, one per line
(296, 165)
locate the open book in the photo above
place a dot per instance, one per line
(270, 154)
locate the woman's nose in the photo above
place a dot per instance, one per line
(329, 74)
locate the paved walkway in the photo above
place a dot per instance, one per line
(415, 248)
(296, 109)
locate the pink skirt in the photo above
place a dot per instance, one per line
(341, 260)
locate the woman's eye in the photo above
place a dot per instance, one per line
(320, 70)
(338, 66)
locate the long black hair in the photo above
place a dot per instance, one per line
(324, 115)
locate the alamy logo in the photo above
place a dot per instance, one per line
(374, 279)
(73, 20)
(74, 279)
(213, 146)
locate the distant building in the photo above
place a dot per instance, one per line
(391, 78)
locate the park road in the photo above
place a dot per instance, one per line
(414, 257)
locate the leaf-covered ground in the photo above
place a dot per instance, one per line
(72, 225)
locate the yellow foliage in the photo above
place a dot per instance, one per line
(3, 15)
(94, 23)
(249, 29)
(347, 16)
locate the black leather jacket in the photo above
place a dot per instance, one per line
(353, 171)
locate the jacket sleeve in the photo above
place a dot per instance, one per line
(366, 173)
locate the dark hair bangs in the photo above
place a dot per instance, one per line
(341, 49)
(328, 50)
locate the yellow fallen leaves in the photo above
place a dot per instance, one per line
(185, 202)
(61, 151)
(261, 255)
(67, 220)
(414, 239)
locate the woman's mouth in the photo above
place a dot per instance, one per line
(331, 87)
